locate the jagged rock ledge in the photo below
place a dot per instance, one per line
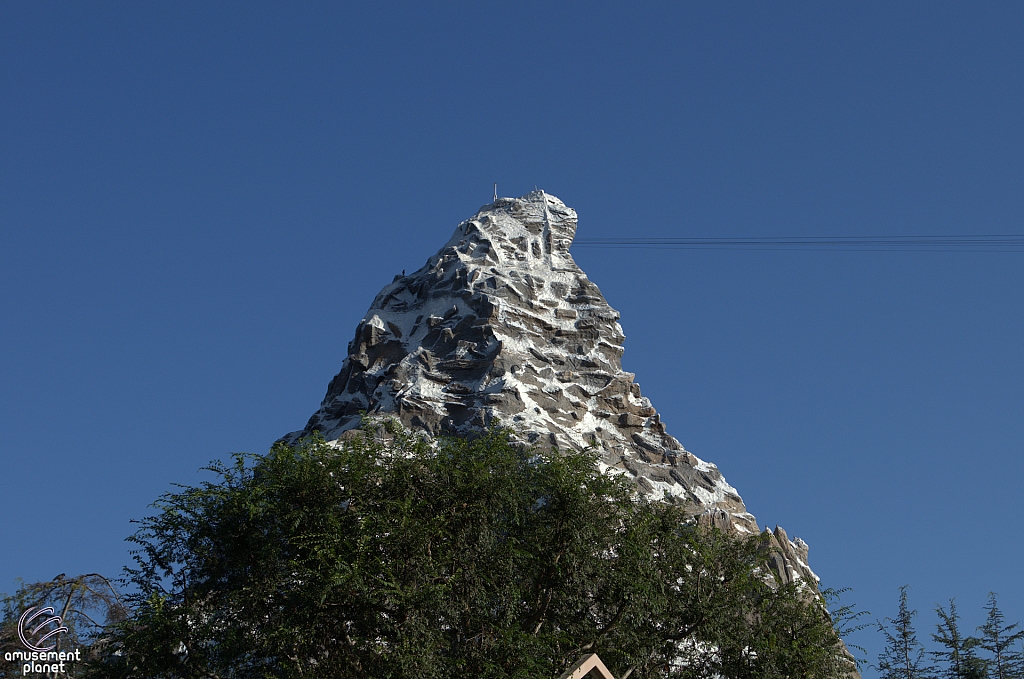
(501, 324)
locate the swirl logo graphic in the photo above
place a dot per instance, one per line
(49, 627)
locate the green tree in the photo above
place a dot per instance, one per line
(999, 640)
(958, 655)
(903, 656)
(451, 559)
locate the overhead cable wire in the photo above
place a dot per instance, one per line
(984, 243)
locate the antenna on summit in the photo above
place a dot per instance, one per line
(495, 192)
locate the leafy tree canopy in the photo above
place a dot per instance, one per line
(389, 557)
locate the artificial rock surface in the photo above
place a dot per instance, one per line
(501, 324)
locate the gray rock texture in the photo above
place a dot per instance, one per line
(502, 325)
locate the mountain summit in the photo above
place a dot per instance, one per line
(502, 325)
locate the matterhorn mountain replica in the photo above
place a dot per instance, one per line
(502, 325)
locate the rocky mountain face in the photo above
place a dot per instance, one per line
(502, 325)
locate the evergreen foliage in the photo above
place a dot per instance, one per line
(958, 653)
(904, 656)
(454, 559)
(999, 639)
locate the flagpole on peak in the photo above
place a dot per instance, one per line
(495, 191)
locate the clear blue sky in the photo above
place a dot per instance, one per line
(198, 204)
